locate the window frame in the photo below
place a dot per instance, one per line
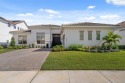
(24, 39)
(40, 40)
(90, 34)
(81, 35)
(9, 25)
(97, 35)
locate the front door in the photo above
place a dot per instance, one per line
(56, 40)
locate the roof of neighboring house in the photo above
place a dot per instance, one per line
(88, 24)
(17, 21)
(6, 20)
(45, 26)
(21, 31)
(122, 24)
(14, 22)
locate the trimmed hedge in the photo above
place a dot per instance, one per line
(18, 47)
(58, 48)
(1, 47)
(76, 47)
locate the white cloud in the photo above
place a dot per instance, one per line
(87, 18)
(49, 11)
(60, 16)
(72, 16)
(27, 14)
(41, 9)
(91, 7)
(116, 2)
(110, 17)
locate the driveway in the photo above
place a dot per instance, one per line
(23, 60)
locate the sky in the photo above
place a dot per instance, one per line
(59, 12)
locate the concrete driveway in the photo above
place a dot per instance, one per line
(23, 60)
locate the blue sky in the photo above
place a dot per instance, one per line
(63, 11)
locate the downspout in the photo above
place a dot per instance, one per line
(50, 37)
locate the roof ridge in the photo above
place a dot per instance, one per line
(44, 25)
(89, 24)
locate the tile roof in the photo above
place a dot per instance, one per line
(88, 24)
(17, 21)
(14, 22)
(43, 26)
(21, 31)
(6, 20)
(122, 24)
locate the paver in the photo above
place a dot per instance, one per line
(23, 60)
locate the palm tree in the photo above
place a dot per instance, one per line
(111, 39)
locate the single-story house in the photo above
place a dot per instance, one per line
(40, 35)
(88, 34)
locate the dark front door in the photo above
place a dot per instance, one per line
(56, 40)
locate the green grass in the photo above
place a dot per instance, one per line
(6, 50)
(75, 60)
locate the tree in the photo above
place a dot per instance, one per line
(12, 43)
(111, 39)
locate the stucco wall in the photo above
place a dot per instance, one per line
(21, 25)
(31, 37)
(72, 36)
(121, 32)
(4, 31)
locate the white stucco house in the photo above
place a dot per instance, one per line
(40, 35)
(88, 34)
(9, 25)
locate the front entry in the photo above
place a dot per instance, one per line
(56, 39)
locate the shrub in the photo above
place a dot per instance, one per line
(33, 45)
(20, 47)
(1, 47)
(29, 46)
(12, 43)
(121, 46)
(11, 47)
(58, 48)
(115, 47)
(76, 47)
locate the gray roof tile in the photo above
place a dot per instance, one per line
(89, 24)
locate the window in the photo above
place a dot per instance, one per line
(40, 38)
(14, 27)
(9, 25)
(22, 39)
(18, 28)
(81, 35)
(98, 35)
(89, 35)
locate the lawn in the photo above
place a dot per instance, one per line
(76, 60)
(5, 50)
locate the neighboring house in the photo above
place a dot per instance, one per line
(121, 31)
(6, 26)
(88, 34)
(40, 35)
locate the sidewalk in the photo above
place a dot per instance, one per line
(62, 76)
